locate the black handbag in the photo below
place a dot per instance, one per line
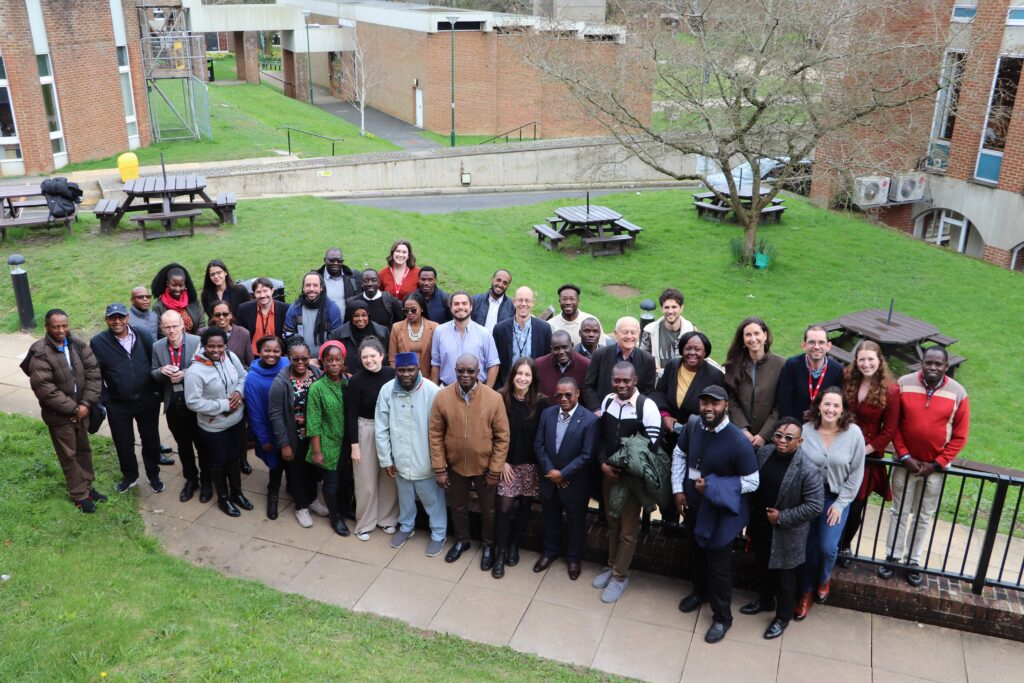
(97, 414)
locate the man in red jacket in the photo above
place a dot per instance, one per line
(934, 420)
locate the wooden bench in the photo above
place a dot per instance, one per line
(168, 218)
(226, 207)
(109, 213)
(704, 196)
(777, 201)
(942, 340)
(830, 325)
(840, 354)
(773, 213)
(955, 361)
(27, 203)
(548, 238)
(713, 211)
(37, 221)
(632, 230)
(616, 244)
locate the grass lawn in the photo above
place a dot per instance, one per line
(828, 264)
(245, 119)
(91, 594)
(470, 140)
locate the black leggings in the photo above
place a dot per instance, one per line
(509, 506)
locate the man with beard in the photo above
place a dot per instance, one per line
(661, 337)
(263, 316)
(712, 467)
(313, 316)
(383, 308)
(561, 362)
(438, 301)
(571, 316)
(459, 337)
(805, 375)
(491, 307)
(340, 282)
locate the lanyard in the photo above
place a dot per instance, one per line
(813, 389)
(263, 321)
(176, 360)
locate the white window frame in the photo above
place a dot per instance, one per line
(1015, 20)
(1017, 257)
(942, 97)
(60, 159)
(988, 113)
(963, 19)
(942, 221)
(133, 140)
(11, 166)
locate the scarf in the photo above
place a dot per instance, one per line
(179, 305)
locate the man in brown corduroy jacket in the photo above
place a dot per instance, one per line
(468, 443)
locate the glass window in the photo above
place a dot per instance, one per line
(1004, 93)
(126, 95)
(963, 14)
(50, 104)
(7, 127)
(122, 56)
(43, 63)
(3, 69)
(952, 77)
(57, 144)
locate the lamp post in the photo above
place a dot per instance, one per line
(22, 293)
(451, 23)
(309, 59)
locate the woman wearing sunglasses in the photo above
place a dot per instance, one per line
(788, 497)
(414, 334)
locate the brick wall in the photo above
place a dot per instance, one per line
(899, 217)
(245, 45)
(23, 80)
(1000, 257)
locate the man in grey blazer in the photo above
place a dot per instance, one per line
(171, 356)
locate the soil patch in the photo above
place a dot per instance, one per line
(622, 291)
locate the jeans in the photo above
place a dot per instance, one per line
(822, 547)
(432, 497)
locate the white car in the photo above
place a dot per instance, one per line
(769, 168)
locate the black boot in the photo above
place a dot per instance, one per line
(235, 484)
(272, 504)
(487, 559)
(337, 521)
(245, 467)
(512, 555)
(205, 490)
(220, 482)
(498, 568)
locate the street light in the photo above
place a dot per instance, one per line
(309, 59)
(451, 23)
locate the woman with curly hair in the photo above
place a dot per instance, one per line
(400, 277)
(874, 398)
(218, 285)
(173, 291)
(751, 378)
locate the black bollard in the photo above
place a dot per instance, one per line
(22, 294)
(647, 317)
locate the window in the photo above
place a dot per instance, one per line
(1017, 258)
(1015, 15)
(997, 121)
(949, 229)
(10, 147)
(963, 14)
(128, 97)
(52, 110)
(945, 110)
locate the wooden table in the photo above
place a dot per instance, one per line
(604, 230)
(901, 336)
(10, 193)
(707, 204)
(163, 199)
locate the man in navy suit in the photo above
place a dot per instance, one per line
(523, 335)
(566, 439)
(491, 307)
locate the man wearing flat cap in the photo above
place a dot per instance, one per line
(713, 466)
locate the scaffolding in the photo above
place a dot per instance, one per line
(174, 62)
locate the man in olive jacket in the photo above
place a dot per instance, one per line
(65, 377)
(469, 437)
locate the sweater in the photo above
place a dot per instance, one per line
(325, 417)
(401, 424)
(841, 464)
(469, 436)
(409, 283)
(257, 407)
(932, 429)
(126, 377)
(208, 387)
(523, 431)
(61, 388)
(752, 403)
(792, 396)
(548, 372)
(361, 397)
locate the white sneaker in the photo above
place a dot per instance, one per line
(389, 530)
(602, 579)
(305, 521)
(319, 509)
(363, 535)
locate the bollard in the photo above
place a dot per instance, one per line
(647, 317)
(22, 294)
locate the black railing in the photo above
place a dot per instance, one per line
(984, 542)
(509, 134)
(306, 132)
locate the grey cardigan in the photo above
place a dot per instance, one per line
(801, 498)
(162, 357)
(281, 408)
(841, 464)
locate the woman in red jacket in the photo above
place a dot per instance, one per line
(874, 398)
(400, 277)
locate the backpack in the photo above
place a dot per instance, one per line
(61, 196)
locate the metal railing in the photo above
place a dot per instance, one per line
(270, 63)
(306, 132)
(508, 134)
(975, 535)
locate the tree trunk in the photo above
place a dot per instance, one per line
(749, 238)
(362, 119)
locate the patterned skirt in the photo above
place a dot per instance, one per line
(526, 483)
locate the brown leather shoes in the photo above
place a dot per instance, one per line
(803, 606)
(821, 595)
(574, 570)
(543, 563)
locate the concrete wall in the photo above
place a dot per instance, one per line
(571, 10)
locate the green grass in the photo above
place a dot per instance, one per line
(470, 140)
(827, 264)
(91, 594)
(245, 119)
(225, 68)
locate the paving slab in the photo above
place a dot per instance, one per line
(412, 557)
(169, 504)
(560, 633)
(729, 661)
(795, 667)
(879, 676)
(249, 523)
(334, 580)
(654, 599)
(992, 659)
(163, 526)
(206, 546)
(519, 580)
(287, 531)
(413, 598)
(480, 614)
(271, 563)
(377, 551)
(558, 589)
(644, 651)
(845, 635)
(892, 640)
(745, 629)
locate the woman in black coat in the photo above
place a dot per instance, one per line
(678, 390)
(218, 286)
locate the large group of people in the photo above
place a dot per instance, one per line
(375, 389)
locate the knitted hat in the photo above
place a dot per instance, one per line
(406, 358)
(335, 344)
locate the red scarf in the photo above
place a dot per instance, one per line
(179, 305)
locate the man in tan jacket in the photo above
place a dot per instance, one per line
(468, 443)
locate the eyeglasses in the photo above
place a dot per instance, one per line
(788, 438)
(220, 315)
(300, 359)
(335, 260)
(564, 394)
(817, 343)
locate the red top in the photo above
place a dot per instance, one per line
(879, 424)
(932, 428)
(399, 290)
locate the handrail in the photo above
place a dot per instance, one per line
(306, 132)
(514, 130)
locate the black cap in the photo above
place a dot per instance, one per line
(714, 391)
(116, 309)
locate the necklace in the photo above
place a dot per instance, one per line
(415, 336)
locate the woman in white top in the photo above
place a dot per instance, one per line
(835, 444)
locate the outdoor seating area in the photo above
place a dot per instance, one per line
(707, 205)
(603, 230)
(901, 336)
(23, 206)
(165, 199)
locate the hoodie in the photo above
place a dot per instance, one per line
(257, 405)
(208, 385)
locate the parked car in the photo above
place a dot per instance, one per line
(770, 169)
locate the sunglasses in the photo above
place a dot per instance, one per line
(411, 310)
(300, 359)
(564, 394)
(220, 315)
(335, 260)
(788, 438)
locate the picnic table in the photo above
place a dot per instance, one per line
(162, 199)
(14, 199)
(604, 230)
(900, 336)
(707, 204)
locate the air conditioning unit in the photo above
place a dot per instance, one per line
(871, 191)
(908, 188)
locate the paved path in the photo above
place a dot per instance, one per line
(643, 636)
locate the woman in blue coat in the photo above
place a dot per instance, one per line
(257, 394)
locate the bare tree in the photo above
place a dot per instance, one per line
(747, 80)
(360, 75)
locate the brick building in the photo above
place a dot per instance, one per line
(971, 150)
(71, 83)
